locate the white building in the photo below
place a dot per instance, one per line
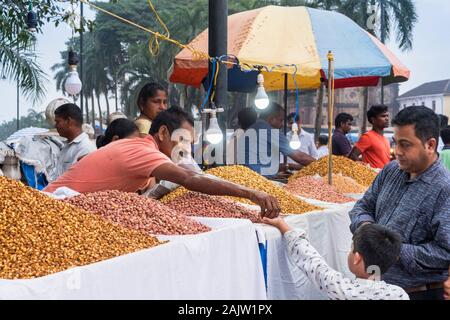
(433, 95)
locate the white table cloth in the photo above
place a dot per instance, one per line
(222, 264)
(328, 231)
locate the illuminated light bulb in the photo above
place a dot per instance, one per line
(295, 143)
(214, 135)
(261, 98)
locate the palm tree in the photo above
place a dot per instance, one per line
(18, 64)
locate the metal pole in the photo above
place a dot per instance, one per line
(115, 93)
(330, 115)
(285, 113)
(81, 56)
(18, 85)
(383, 39)
(218, 46)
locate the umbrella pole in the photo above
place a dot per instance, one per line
(330, 115)
(285, 113)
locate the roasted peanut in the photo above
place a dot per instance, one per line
(40, 236)
(136, 212)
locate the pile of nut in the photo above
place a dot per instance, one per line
(40, 236)
(178, 192)
(316, 188)
(250, 179)
(202, 205)
(347, 185)
(137, 212)
(341, 165)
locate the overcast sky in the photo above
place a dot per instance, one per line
(428, 61)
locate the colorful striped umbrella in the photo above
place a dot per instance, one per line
(298, 36)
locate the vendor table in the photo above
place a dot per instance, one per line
(222, 264)
(328, 231)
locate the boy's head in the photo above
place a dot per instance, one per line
(445, 135)
(375, 249)
(322, 141)
(378, 116)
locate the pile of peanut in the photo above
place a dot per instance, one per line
(341, 165)
(202, 205)
(347, 185)
(40, 236)
(316, 188)
(250, 179)
(137, 212)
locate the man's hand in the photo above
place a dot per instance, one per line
(447, 287)
(270, 207)
(278, 223)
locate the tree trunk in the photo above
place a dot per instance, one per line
(86, 104)
(363, 109)
(93, 111)
(100, 116)
(319, 113)
(107, 106)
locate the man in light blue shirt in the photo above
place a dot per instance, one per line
(264, 141)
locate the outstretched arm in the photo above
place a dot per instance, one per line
(204, 184)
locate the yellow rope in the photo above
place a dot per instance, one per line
(215, 81)
(157, 35)
(153, 44)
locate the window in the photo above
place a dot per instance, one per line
(434, 105)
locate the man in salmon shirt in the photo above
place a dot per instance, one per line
(373, 145)
(128, 165)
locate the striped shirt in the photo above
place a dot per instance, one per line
(332, 283)
(419, 210)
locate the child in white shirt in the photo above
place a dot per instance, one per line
(375, 249)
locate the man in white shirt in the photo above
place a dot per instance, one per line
(322, 147)
(308, 145)
(375, 249)
(68, 123)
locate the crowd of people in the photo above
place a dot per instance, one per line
(401, 225)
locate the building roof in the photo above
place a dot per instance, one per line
(429, 88)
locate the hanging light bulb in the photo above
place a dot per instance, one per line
(73, 83)
(295, 143)
(261, 98)
(31, 19)
(214, 135)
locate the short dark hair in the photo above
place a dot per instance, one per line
(445, 135)
(323, 140)
(119, 127)
(247, 117)
(173, 118)
(425, 120)
(149, 90)
(375, 111)
(272, 110)
(342, 118)
(70, 110)
(291, 116)
(444, 120)
(378, 246)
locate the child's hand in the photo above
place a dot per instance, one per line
(278, 223)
